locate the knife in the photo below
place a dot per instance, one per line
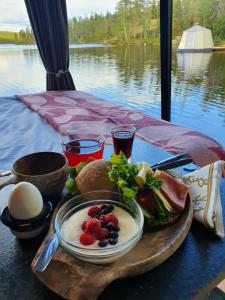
(173, 158)
(172, 164)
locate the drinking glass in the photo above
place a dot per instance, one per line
(82, 147)
(123, 137)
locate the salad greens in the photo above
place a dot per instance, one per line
(130, 177)
(73, 172)
(164, 216)
(71, 186)
(124, 175)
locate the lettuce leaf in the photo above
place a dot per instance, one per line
(119, 159)
(123, 175)
(153, 182)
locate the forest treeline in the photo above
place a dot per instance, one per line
(137, 21)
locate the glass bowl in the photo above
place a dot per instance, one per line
(94, 253)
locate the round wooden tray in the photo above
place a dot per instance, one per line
(69, 277)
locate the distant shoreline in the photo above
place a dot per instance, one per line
(133, 43)
(27, 38)
(34, 46)
(78, 45)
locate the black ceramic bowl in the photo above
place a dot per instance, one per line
(28, 229)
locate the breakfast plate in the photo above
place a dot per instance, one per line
(160, 199)
(69, 277)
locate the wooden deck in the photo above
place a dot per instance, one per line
(219, 48)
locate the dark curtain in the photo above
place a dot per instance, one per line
(49, 22)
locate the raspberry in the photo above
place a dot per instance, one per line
(93, 225)
(94, 210)
(84, 225)
(87, 239)
(101, 234)
(110, 218)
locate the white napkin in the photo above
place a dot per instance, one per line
(204, 189)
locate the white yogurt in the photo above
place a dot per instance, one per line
(71, 228)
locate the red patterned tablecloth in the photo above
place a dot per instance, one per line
(75, 111)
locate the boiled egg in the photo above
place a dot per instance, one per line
(25, 201)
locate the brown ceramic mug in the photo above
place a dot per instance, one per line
(46, 170)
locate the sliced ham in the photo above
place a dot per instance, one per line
(173, 189)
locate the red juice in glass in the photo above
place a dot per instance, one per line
(80, 150)
(123, 137)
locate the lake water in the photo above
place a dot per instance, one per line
(130, 75)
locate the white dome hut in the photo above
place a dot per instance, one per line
(196, 39)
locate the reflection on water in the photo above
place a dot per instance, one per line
(193, 64)
(130, 76)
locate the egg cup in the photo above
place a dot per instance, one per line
(30, 228)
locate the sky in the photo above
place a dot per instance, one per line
(13, 15)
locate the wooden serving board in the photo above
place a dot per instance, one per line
(69, 277)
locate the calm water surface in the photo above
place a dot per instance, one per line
(131, 76)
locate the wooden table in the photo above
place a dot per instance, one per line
(192, 272)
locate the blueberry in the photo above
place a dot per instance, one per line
(113, 241)
(113, 234)
(111, 226)
(103, 224)
(110, 208)
(116, 228)
(103, 243)
(96, 216)
(104, 206)
(104, 211)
